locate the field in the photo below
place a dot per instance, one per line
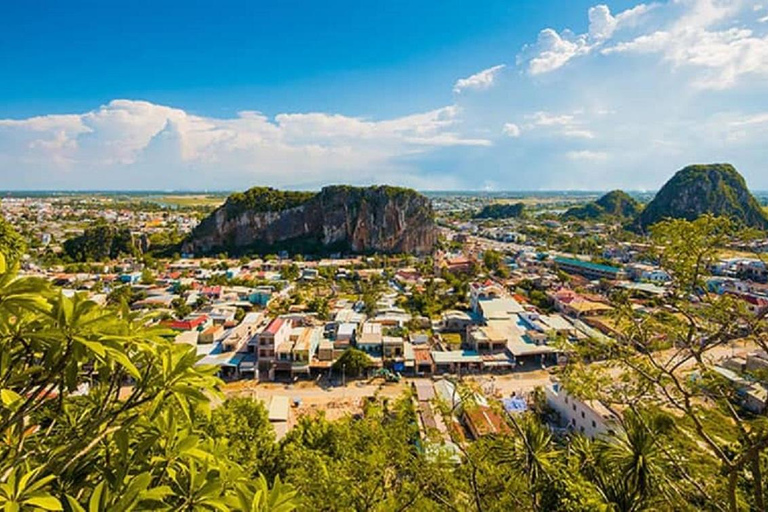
(184, 200)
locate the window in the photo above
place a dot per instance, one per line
(573, 422)
(566, 399)
(594, 425)
(574, 407)
(581, 429)
(582, 414)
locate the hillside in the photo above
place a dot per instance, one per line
(718, 189)
(104, 241)
(617, 205)
(336, 219)
(501, 211)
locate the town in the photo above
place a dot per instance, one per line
(501, 302)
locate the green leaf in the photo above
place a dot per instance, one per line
(74, 505)
(9, 398)
(45, 502)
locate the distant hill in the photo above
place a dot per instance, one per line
(718, 189)
(337, 219)
(102, 241)
(501, 211)
(616, 205)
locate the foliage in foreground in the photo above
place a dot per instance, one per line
(99, 411)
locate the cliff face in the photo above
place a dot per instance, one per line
(338, 218)
(698, 189)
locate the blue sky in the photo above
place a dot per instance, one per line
(437, 95)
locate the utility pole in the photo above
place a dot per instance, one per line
(344, 374)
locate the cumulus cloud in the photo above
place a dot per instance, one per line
(553, 49)
(511, 130)
(479, 81)
(124, 142)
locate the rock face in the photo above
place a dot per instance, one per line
(698, 189)
(617, 205)
(337, 219)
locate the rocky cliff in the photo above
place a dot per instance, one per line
(718, 189)
(337, 219)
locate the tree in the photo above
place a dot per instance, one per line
(715, 451)
(290, 272)
(353, 362)
(147, 276)
(101, 410)
(244, 424)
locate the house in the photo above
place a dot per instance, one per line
(345, 335)
(454, 361)
(325, 351)
(305, 348)
(423, 363)
(590, 418)
(482, 421)
(196, 323)
(484, 340)
(393, 346)
(455, 321)
(130, 278)
(309, 274)
(275, 335)
(486, 290)
(370, 339)
(573, 304)
(211, 334)
(588, 269)
(278, 411)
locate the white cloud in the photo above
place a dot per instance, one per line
(553, 50)
(706, 38)
(562, 125)
(479, 81)
(511, 130)
(137, 144)
(587, 155)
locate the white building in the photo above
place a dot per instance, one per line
(591, 418)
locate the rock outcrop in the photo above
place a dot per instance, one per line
(336, 219)
(615, 205)
(501, 211)
(718, 189)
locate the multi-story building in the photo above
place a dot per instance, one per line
(277, 332)
(590, 418)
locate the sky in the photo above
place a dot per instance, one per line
(436, 95)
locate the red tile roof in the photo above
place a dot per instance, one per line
(275, 325)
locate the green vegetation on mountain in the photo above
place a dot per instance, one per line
(102, 241)
(615, 205)
(501, 211)
(265, 199)
(717, 189)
